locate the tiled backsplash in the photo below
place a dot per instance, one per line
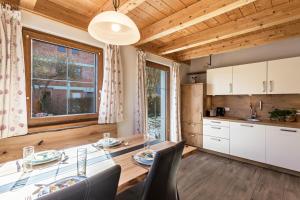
(240, 104)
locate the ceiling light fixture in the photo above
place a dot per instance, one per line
(113, 27)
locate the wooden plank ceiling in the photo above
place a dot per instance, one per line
(187, 29)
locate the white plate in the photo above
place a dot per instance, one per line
(111, 142)
(45, 157)
(145, 157)
(59, 184)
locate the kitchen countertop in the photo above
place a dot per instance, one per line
(261, 122)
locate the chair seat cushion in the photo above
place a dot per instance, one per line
(132, 193)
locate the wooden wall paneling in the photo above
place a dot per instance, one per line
(278, 2)
(152, 11)
(29, 4)
(240, 104)
(125, 6)
(264, 19)
(175, 4)
(248, 9)
(234, 14)
(211, 22)
(64, 15)
(262, 4)
(261, 37)
(194, 14)
(11, 148)
(222, 19)
(202, 26)
(147, 18)
(161, 6)
(86, 8)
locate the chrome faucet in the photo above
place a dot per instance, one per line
(253, 113)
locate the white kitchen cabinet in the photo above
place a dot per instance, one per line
(283, 147)
(250, 78)
(219, 81)
(216, 131)
(215, 122)
(216, 144)
(283, 76)
(248, 141)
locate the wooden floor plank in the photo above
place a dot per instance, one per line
(205, 176)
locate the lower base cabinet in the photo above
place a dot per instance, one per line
(216, 144)
(283, 147)
(248, 141)
(273, 145)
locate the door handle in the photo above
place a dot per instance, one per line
(215, 122)
(250, 126)
(271, 86)
(216, 139)
(264, 86)
(289, 130)
(215, 127)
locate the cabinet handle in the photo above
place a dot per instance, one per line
(271, 86)
(289, 130)
(247, 125)
(192, 135)
(230, 88)
(216, 139)
(215, 127)
(264, 86)
(215, 122)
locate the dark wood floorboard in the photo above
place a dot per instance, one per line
(204, 176)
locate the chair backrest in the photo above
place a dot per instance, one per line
(161, 183)
(102, 186)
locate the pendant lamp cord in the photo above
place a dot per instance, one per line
(116, 4)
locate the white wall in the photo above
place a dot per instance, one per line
(128, 54)
(46, 25)
(276, 50)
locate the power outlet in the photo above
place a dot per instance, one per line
(227, 109)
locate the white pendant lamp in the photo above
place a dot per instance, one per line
(112, 27)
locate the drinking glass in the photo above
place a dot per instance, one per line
(81, 161)
(146, 141)
(106, 137)
(28, 153)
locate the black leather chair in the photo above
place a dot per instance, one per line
(102, 186)
(160, 183)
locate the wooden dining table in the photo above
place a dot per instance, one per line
(16, 184)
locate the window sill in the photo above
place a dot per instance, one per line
(61, 126)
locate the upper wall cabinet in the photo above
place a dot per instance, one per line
(250, 78)
(271, 77)
(219, 81)
(283, 76)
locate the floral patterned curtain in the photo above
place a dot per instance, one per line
(111, 106)
(13, 115)
(141, 104)
(175, 126)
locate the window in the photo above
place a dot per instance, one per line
(157, 83)
(63, 78)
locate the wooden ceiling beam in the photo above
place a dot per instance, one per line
(260, 20)
(261, 37)
(194, 14)
(125, 6)
(28, 4)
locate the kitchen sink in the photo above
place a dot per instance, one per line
(253, 120)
